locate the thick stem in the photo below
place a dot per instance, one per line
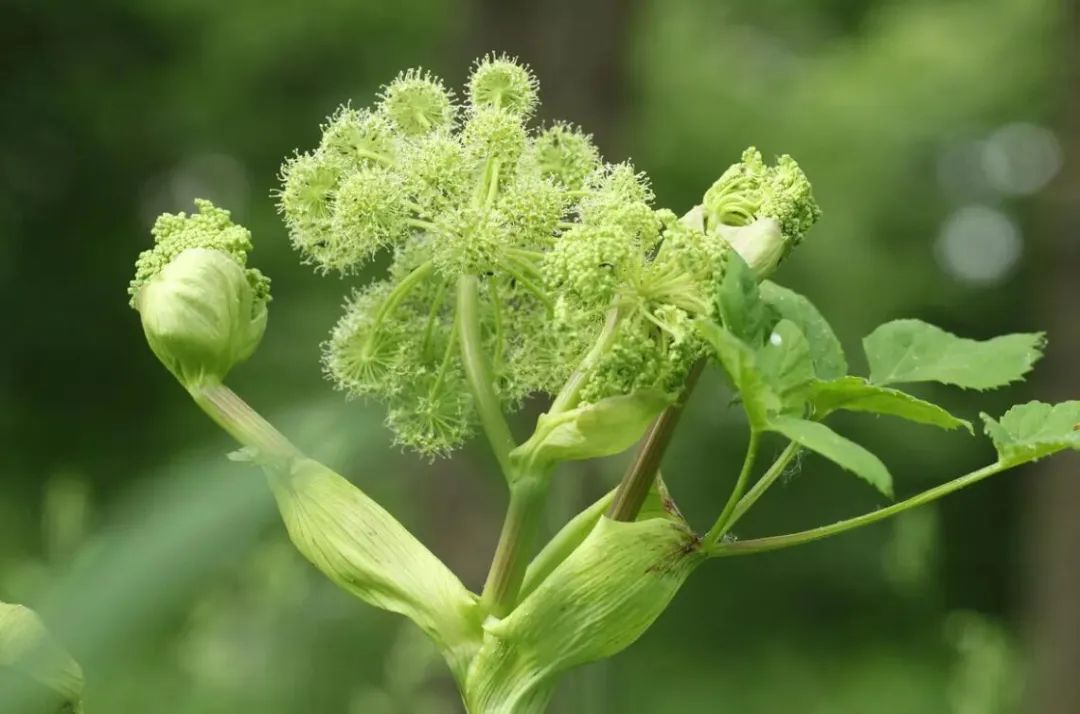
(516, 541)
(241, 422)
(638, 479)
(759, 545)
(478, 374)
(723, 522)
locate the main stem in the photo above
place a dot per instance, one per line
(528, 485)
(638, 478)
(524, 514)
(759, 545)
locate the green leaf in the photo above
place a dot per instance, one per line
(825, 349)
(823, 440)
(786, 364)
(28, 649)
(855, 394)
(606, 427)
(1028, 432)
(742, 311)
(914, 351)
(740, 362)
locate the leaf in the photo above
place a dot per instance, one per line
(825, 350)
(606, 427)
(740, 362)
(1028, 432)
(855, 394)
(742, 311)
(785, 363)
(27, 648)
(823, 440)
(915, 351)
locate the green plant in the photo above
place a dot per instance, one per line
(522, 264)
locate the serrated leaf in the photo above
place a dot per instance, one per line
(855, 394)
(786, 365)
(1028, 432)
(842, 451)
(740, 362)
(915, 351)
(825, 350)
(742, 311)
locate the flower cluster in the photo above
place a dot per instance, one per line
(568, 251)
(448, 190)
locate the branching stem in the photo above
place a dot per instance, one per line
(478, 374)
(723, 522)
(568, 395)
(758, 490)
(759, 545)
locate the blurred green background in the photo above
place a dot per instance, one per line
(942, 138)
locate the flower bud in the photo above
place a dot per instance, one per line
(597, 602)
(592, 431)
(201, 315)
(365, 551)
(761, 244)
(28, 650)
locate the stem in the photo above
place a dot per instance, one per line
(763, 484)
(512, 554)
(723, 522)
(567, 397)
(759, 545)
(241, 422)
(638, 479)
(478, 374)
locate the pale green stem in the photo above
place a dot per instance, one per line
(529, 285)
(528, 487)
(524, 514)
(723, 522)
(374, 156)
(478, 374)
(493, 184)
(758, 490)
(568, 395)
(241, 422)
(759, 545)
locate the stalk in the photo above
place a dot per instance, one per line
(568, 395)
(638, 479)
(516, 540)
(241, 422)
(528, 486)
(760, 545)
(723, 521)
(478, 374)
